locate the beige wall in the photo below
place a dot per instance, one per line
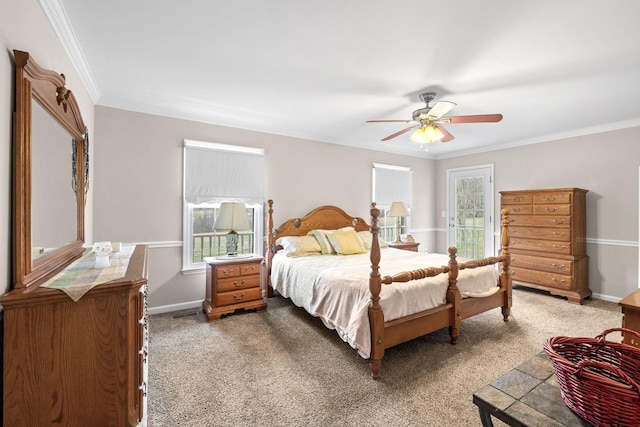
(606, 164)
(138, 187)
(24, 26)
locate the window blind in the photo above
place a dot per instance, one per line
(219, 172)
(391, 184)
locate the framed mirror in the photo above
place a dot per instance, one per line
(50, 174)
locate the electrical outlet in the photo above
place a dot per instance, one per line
(444, 214)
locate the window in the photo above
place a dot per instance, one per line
(214, 173)
(391, 184)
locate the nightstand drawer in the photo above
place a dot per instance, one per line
(238, 297)
(250, 268)
(236, 283)
(227, 271)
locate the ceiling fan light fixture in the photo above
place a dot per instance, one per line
(426, 134)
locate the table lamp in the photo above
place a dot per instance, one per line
(232, 217)
(398, 209)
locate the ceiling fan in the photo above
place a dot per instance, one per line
(428, 121)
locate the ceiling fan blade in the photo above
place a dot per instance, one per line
(400, 132)
(440, 109)
(480, 118)
(389, 121)
(447, 135)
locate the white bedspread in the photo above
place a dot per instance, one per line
(336, 288)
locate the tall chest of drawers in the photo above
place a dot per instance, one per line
(548, 249)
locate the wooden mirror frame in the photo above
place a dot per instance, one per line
(48, 89)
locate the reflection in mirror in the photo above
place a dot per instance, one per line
(53, 200)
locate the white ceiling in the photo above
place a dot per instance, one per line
(320, 69)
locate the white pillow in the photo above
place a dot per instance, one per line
(296, 246)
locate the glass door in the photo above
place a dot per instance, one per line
(470, 211)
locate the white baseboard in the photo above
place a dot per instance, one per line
(606, 298)
(175, 307)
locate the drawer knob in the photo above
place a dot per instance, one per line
(550, 198)
(239, 297)
(561, 281)
(558, 266)
(559, 247)
(558, 221)
(515, 209)
(550, 209)
(238, 284)
(517, 199)
(556, 234)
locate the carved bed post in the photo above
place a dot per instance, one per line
(376, 316)
(269, 255)
(453, 296)
(505, 274)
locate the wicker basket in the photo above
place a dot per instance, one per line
(599, 379)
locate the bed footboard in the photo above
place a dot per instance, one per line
(387, 334)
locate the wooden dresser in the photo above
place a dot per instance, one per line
(548, 249)
(78, 363)
(232, 284)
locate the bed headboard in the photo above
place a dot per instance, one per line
(324, 217)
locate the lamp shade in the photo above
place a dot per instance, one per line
(232, 216)
(398, 209)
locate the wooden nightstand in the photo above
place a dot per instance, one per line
(407, 246)
(232, 284)
(631, 316)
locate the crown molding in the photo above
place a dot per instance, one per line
(547, 138)
(59, 20)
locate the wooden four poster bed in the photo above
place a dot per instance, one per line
(415, 301)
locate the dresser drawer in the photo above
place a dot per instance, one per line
(556, 234)
(236, 283)
(238, 297)
(552, 197)
(559, 209)
(519, 209)
(551, 265)
(551, 247)
(516, 199)
(551, 280)
(563, 221)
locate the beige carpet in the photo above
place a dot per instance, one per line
(282, 367)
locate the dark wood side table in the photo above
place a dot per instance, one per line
(233, 283)
(407, 246)
(528, 395)
(631, 316)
